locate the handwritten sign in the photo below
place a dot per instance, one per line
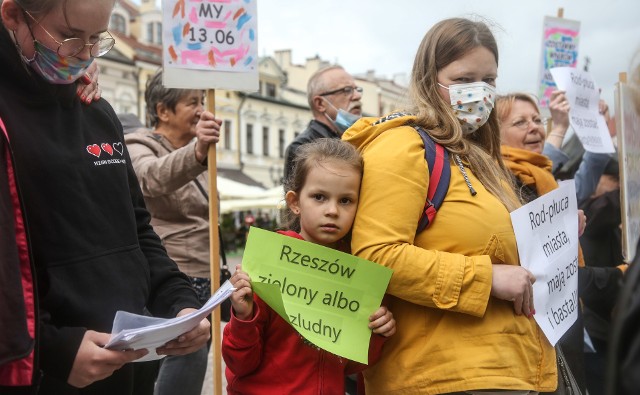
(583, 96)
(560, 39)
(627, 101)
(326, 295)
(216, 40)
(547, 235)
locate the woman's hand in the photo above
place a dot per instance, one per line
(559, 107)
(88, 87)
(190, 341)
(242, 297)
(93, 362)
(515, 284)
(582, 222)
(207, 132)
(603, 109)
(382, 322)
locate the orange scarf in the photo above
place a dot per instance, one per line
(533, 170)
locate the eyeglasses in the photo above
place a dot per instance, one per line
(347, 90)
(524, 123)
(73, 46)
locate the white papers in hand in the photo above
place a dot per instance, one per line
(135, 332)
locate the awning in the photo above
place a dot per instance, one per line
(269, 199)
(229, 189)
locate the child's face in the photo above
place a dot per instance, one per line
(327, 202)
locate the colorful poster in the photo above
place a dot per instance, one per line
(559, 49)
(324, 294)
(547, 235)
(627, 101)
(583, 95)
(210, 44)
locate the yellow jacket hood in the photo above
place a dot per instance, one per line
(367, 129)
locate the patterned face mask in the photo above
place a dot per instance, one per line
(55, 68)
(472, 103)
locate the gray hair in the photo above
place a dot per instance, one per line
(156, 93)
(317, 84)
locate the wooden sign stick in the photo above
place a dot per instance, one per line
(214, 253)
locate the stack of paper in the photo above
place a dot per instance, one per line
(135, 332)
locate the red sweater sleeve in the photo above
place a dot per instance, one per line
(243, 341)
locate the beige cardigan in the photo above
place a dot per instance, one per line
(179, 209)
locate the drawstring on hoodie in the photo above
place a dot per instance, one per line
(464, 174)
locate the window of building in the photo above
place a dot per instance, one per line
(281, 143)
(270, 89)
(265, 141)
(118, 24)
(249, 138)
(158, 28)
(227, 134)
(150, 32)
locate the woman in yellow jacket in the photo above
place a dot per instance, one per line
(463, 304)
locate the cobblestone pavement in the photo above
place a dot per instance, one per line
(207, 386)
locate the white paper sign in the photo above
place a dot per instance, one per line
(547, 234)
(583, 96)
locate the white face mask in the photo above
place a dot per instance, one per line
(472, 103)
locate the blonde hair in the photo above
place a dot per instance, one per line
(504, 104)
(443, 44)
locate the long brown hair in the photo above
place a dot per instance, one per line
(444, 43)
(314, 154)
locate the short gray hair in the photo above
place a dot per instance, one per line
(318, 84)
(156, 93)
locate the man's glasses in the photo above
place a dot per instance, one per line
(73, 46)
(347, 90)
(524, 123)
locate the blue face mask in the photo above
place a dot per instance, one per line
(55, 68)
(344, 119)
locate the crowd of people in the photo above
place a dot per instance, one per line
(95, 221)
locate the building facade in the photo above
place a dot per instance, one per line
(257, 126)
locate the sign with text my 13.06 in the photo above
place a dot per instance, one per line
(210, 35)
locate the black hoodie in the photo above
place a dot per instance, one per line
(93, 248)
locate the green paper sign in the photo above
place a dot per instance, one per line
(326, 295)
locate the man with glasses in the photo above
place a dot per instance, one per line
(334, 100)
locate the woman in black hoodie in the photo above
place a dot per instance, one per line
(91, 244)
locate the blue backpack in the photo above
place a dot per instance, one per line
(439, 172)
(439, 176)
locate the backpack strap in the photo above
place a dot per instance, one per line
(439, 176)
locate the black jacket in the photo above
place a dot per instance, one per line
(17, 289)
(92, 245)
(623, 362)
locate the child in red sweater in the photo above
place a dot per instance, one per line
(263, 353)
